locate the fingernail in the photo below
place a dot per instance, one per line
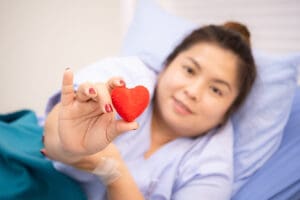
(108, 108)
(111, 108)
(92, 91)
(122, 83)
(43, 152)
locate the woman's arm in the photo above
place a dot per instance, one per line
(123, 185)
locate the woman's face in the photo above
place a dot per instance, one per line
(196, 89)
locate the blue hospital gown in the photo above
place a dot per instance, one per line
(184, 168)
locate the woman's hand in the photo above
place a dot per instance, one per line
(89, 163)
(79, 131)
(85, 120)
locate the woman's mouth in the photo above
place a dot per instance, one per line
(180, 108)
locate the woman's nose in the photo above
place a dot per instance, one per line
(194, 90)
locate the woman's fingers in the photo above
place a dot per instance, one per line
(98, 94)
(110, 84)
(67, 90)
(115, 82)
(86, 91)
(119, 127)
(103, 98)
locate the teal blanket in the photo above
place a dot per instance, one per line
(24, 172)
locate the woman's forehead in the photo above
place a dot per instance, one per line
(215, 60)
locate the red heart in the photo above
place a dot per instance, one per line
(130, 102)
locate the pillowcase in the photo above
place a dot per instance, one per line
(260, 122)
(272, 181)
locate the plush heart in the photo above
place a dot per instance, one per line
(130, 102)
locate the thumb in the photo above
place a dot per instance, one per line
(121, 126)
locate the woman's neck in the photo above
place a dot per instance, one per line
(160, 134)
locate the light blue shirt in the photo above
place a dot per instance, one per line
(184, 168)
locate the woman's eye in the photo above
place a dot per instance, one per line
(216, 90)
(189, 69)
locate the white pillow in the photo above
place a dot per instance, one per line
(260, 122)
(153, 34)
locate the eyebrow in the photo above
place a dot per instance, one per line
(214, 80)
(194, 62)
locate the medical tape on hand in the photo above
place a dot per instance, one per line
(107, 170)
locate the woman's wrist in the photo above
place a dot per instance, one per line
(113, 172)
(108, 170)
(106, 167)
(87, 163)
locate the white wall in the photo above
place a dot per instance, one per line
(39, 38)
(274, 24)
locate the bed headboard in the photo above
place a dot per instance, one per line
(274, 24)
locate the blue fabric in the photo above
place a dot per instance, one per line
(24, 173)
(279, 178)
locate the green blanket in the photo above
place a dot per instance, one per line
(24, 172)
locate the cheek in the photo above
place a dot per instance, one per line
(214, 109)
(168, 81)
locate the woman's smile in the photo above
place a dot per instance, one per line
(180, 107)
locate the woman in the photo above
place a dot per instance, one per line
(183, 147)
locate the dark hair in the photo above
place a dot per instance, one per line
(231, 36)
